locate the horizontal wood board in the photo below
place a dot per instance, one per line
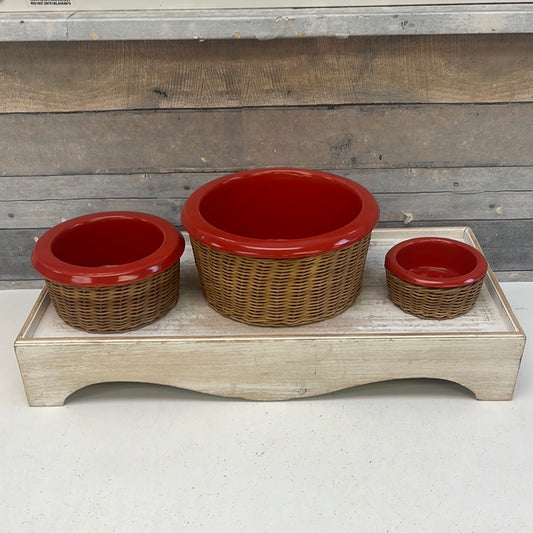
(116, 75)
(181, 184)
(343, 137)
(228, 24)
(143, 8)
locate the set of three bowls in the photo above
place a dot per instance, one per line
(273, 247)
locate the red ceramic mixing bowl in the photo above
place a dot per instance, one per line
(280, 213)
(280, 246)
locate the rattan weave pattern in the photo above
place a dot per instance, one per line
(432, 302)
(117, 308)
(281, 292)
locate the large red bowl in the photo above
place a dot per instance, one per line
(436, 262)
(105, 249)
(280, 213)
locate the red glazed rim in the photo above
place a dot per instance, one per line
(436, 262)
(349, 231)
(161, 247)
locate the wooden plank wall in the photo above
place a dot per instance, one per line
(439, 128)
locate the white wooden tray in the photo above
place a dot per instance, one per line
(193, 347)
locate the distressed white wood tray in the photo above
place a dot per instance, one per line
(195, 348)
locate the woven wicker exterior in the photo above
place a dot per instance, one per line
(281, 292)
(432, 302)
(119, 307)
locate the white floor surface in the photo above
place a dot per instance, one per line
(403, 456)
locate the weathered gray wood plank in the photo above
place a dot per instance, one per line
(15, 251)
(342, 138)
(111, 75)
(392, 136)
(47, 213)
(181, 184)
(424, 207)
(89, 186)
(316, 22)
(431, 207)
(269, 23)
(37, 26)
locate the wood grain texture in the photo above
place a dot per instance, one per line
(268, 23)
(182, 184)
(250, 369)
(422, 207)
(340, 138)
(119, 75)
(15, 252)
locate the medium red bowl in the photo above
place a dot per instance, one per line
(105, 249)
(280, 213)
(436, 262)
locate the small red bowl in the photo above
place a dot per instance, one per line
(436, 262)
(434, 278)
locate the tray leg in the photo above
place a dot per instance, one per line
(486, 391)
(43, 398)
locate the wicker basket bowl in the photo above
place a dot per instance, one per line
(280, 246)
(111, 272)
(434, 278)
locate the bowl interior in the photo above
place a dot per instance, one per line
(107, 242)
(280, 206)
(437, 259)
